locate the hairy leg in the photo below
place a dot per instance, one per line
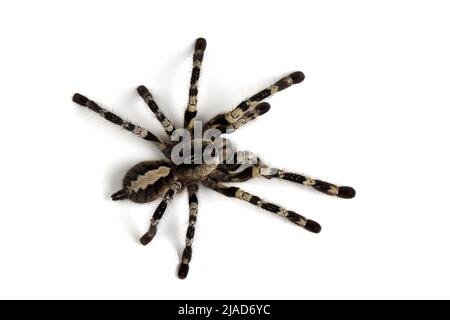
(226, 171)
(148, 98)
(345, 192)
(258, 170)
(292, 216)
(111, 117)
(157, 215)
(120, 195)
(224, 126)
(183, 269)
(191, 110)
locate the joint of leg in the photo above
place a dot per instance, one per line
(187, 254)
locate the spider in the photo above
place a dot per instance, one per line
(150, 180)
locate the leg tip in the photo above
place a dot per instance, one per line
(313, 226)
(262, 108)
(142, 90)
(200, 44)
(346, 192)
(297, 77)
(146, 238)
(80, 99)
(183, 270)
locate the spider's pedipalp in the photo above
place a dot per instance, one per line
(238, 193)
(157, 215)
(197, 59)
(148, 98)
(236, 115)
(111, 117)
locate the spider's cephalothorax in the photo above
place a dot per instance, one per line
(150, 180)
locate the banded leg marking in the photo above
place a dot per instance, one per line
(183, 269)
(111, 117)
(222, 124)
(157, 215)
(238, 112)
(344, 192)
(259, 170)
(120, 195)
(292, 216)
(148, 98)
(191, 110)
(229, 173)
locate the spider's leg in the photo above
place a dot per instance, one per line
(229, 118)
(292, 216)
(141, 132)
(345, 192)
(259, 170)
(191, 110)
(187, 252)
(157, 215)
(148, 98)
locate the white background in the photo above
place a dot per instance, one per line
(372, 113)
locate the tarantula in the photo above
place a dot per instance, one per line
(150, 180)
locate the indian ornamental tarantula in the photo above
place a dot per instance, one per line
(150, 180)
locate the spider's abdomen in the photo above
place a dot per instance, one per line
(148, 180)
